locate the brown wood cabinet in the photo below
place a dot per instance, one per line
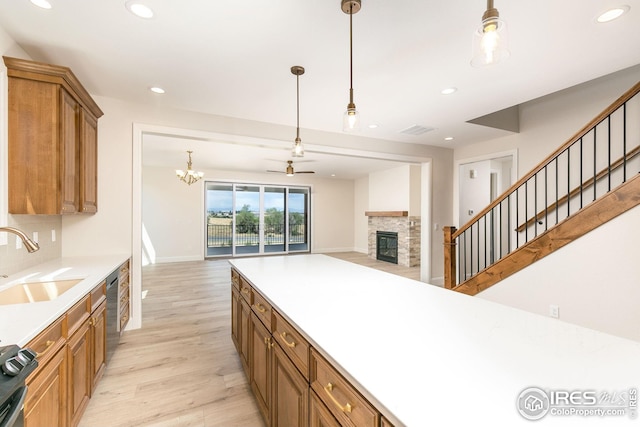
(98, 324)
(71, 361)
(46, 402)
(289, 392)
(235, 319)
(260, 365)
(52, 149)
(45, 405)
(79, 359)
(319, 415)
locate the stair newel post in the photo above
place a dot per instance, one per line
(449, 257)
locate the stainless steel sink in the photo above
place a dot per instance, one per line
(22, 293)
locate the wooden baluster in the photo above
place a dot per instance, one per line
(449, 257)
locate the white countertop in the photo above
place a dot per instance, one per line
(429, 356)
(19, 323)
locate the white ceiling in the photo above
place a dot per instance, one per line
(233, 58)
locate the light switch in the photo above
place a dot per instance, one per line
(53, 235)
(35, 236)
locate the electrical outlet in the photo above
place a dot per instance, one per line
(554, 311)
(18, 243)
(35, 236)
(53, 235)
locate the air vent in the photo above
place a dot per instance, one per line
(416, 130)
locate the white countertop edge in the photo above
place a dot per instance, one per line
(20, 323)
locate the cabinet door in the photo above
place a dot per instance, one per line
(260, 364)
(79, 354)
(88, 163)
(46, 403)
(98, 344)
(289, 393)
(245, 338)
(69, 153)
(319, 415)
(235, 311)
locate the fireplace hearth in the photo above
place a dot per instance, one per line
(387, 246)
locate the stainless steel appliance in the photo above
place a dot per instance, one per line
(113, 336)
(15, 366)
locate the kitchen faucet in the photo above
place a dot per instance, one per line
(28, 243)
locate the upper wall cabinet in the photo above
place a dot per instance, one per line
(53, 140)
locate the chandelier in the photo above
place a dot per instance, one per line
(490, 44)
(189, 176)
(298, 149)
(351, 118)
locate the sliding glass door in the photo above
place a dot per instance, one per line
(250, 219)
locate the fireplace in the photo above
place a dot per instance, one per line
(387, 246)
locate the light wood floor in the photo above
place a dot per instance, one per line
(181, 368)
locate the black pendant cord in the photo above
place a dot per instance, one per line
(297, 107)
(351, 54)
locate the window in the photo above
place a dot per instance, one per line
(249, 219)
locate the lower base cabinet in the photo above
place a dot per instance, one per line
(319, 415)
(289, 392)
(260, 364)
(44, 406)
(71, 359)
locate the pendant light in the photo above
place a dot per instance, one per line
(298, 149)
(351, 118)
(490, 39)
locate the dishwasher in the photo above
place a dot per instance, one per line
(113, 335)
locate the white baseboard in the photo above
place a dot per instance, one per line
(438, 281)
(328, 250)
(166, 260)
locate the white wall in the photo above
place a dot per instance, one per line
(360, 221)
(390, 190)
(595, 281)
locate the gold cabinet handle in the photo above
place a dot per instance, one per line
(291, 344)
(261, 308)
(47, 348)
(268, 343)
(346, 408)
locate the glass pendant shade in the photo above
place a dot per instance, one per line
(351, 120)
(490, 40)
(298, 149)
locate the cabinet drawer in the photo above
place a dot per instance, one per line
(48, 342)
(77, 315)
(124, 299)
(293, 344)
(235, 279)
(124, 318)
(98, 294)
(262, 309)
(245, 290)
(340, 397)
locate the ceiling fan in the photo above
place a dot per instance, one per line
(289, 170)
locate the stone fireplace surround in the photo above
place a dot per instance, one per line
(408, 229)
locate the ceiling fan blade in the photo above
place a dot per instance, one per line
(305, 172)
(275, 171)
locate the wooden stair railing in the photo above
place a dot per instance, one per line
(461, 274)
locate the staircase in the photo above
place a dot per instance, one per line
(589, 180)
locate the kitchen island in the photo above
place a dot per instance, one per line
(423, 355)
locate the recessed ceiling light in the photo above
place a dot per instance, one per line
(42, 3)
(373, 126)
(139, 9)
(156, 89)
(333, 174)
(612, 14)
(449, 138)
(449, 90)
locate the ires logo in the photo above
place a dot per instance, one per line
(573, 398)
(535, 403)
